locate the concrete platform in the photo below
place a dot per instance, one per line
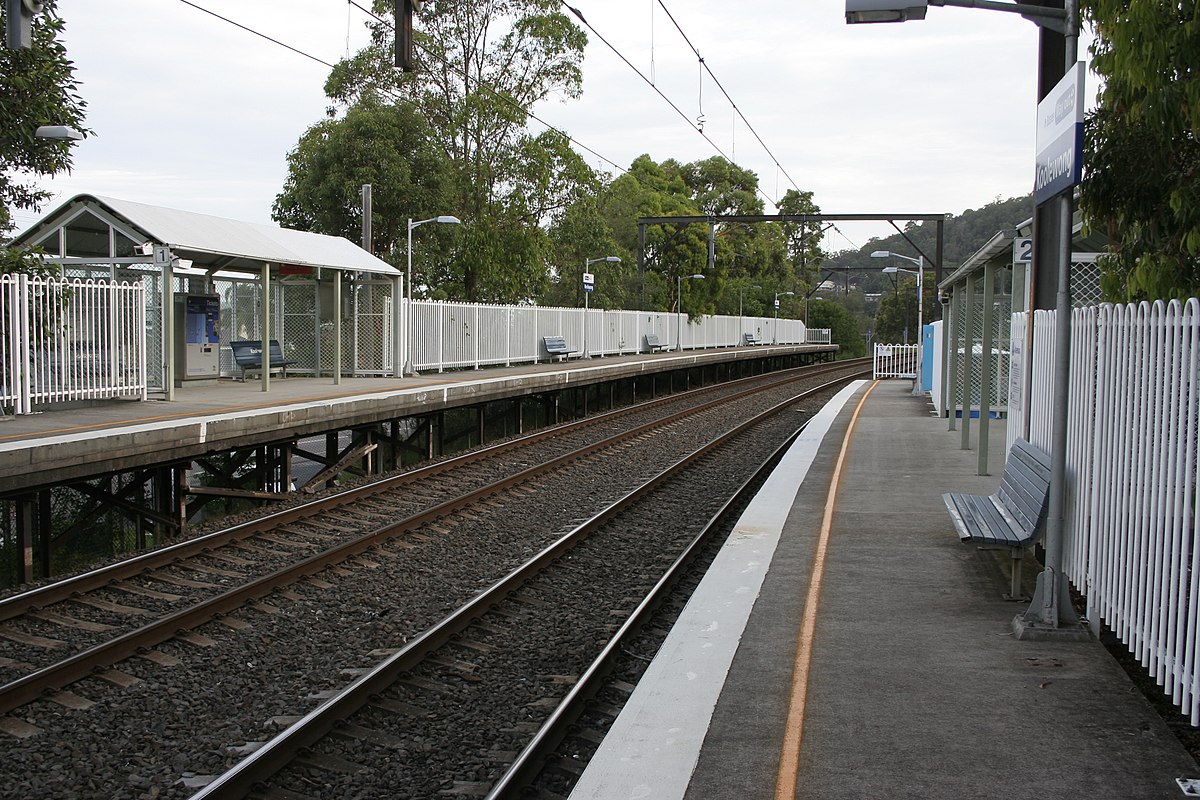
(74, 443)
(877, 660)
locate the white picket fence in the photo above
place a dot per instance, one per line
(70, 340)
(1130, 542)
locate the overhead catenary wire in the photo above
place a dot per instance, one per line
(704, 66)
(498, 95)
(696, 126)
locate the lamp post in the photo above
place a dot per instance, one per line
(775, 324)
(408, 347)
(918, 388)
(1051, 604)
(679, 308)
(588, 284)
(741, 322)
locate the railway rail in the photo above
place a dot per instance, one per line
(305, 554)
(507, 622)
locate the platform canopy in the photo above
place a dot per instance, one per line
(94, 228)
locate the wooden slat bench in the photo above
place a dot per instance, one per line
(556, 346)
(654, 344)
(1012, 517)
(247, 354)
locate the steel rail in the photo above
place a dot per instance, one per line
(530, 761)
(59, 591)
(56, 676)
(277, 753)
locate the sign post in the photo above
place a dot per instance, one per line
(589, 283)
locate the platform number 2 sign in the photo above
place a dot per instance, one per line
(1022, 251)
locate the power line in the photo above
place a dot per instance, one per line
(699, 128)
(711, 74)
(256, 33)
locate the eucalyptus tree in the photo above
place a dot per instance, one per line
(387, 146)
(37, 87)
(481, 65)
(1141, 147)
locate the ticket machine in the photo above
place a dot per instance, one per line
(197, 341)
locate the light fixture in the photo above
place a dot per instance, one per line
(860, 11)
(60, 133)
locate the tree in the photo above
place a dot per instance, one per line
(896, 319)
(37, 87)
(1142, 181)
(474, 87)
(843, 327)
(387, 146)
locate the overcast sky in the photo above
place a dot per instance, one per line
(937, 116)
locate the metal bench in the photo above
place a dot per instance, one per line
(556, 346)
(654, 344)
(247, 354)
(1012, 517)
(750, 338)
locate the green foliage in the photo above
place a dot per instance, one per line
(898, 312)
(473, 87)
(387, 146)
(843, 327)
(1142, 181)
(26, 261)
(744, 256)
(37, 87)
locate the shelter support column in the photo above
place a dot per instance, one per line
(264, 333)
(337, 328)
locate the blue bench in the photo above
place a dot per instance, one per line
(1014, 516)
(247, 354)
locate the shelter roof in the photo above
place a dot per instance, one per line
(213, 243)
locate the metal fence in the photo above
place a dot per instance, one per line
(64, 340)
(1130, 542)
(457, 335)
(895, 361)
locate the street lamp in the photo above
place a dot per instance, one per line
(588, 284)
(442, 220)
(679, 308)
(741, 322)
(775, 324)
(919, 272)
(58, 133)
(858, 11)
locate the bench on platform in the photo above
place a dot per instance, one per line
(654, 344)
(556, 346)
(247, 354)
(750, 338)
(1012, 517)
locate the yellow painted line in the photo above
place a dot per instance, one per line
(789, 757)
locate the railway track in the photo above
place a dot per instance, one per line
(413, 524)
(492, 653)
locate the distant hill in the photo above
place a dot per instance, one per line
(964, 234)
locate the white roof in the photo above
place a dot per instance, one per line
(219, 243)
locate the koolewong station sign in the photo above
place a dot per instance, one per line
(1059, 161)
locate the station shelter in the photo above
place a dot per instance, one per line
(205, 279)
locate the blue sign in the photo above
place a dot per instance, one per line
(1058, 165)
